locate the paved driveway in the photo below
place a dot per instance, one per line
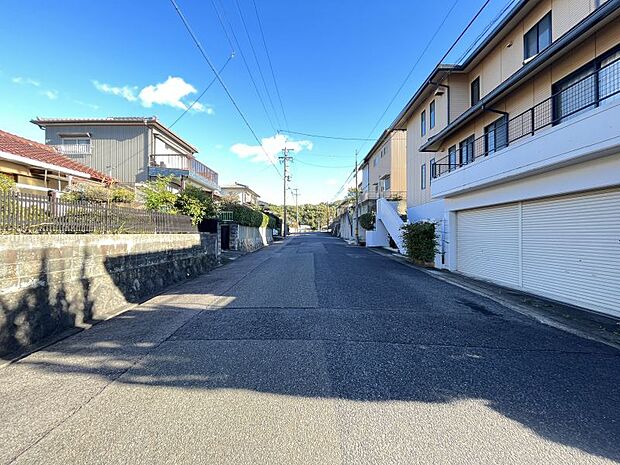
(314, 352)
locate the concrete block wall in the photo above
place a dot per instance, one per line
(249, 239)
(52, 282)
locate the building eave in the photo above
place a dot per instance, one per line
(20, 159)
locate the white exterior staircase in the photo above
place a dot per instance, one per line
(388, 222)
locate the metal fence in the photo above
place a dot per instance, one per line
(22, 213)
(225, 217)
(588, 92)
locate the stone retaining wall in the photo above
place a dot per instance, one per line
(52, 282)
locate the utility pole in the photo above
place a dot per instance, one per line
(357, 201)
(285, 158)
(296, 194)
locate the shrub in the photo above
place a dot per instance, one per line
(6, 183)
(123, 195)
(367, 221)
(196, 204)
(246, 216)
(157, 197)
(99, 194)
(420, 241)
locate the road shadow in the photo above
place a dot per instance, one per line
(44, 308)
(568, 398)
(413, 349)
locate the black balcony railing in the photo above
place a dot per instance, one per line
(590, 91)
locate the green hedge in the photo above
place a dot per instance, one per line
(246, 216)
(420, 241)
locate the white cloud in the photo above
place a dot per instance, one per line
(50, 94)
(169, 93)
(86, 104)
(128, 93)
(200, 108)
(23, 80)
(173, 92)
(269, 148)
(331, 182)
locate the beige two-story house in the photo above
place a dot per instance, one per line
(242, 193)
(522, 166)
(383, 171)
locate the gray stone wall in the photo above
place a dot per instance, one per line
(249, 239)
(52, 282)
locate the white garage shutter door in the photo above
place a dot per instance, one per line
(488, 243)
(571, 249)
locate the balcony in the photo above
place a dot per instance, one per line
(588, 136)
(74, 150)
(385, 194)
(581, 120)
(595, 89)
(183, 165)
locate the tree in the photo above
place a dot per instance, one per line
(158, 196)
(6, 183)
(195, 203)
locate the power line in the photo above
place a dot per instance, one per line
(141, 152)
(456, 41)
(484, 5)
(218, 77)
(247, 67)
(321, 136)
(321, 166)
(415, 64)
(219, 17)
(260, 70)
(202, 93)
(273, 76)
(343, 185)
(485, 30)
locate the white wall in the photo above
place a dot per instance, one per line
(595, 133)
(436, 212)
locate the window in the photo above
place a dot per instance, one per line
(466, 149)
(374, 161)
(75, 141)
(496, 135)
(587, 87)
(431, 116)
(386, 183)
(475, 91)
(452, 158)
(423, 176)
(433, 170)
(423, 123)
(538, 38)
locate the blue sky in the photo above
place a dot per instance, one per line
(337, 64)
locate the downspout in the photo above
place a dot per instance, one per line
(493, 110)
(447, 87)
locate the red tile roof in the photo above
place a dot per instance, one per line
(16, 145)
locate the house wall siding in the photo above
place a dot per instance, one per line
(539, 87)
(415, 195)
(117, 150)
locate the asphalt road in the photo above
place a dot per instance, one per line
(314, 352)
